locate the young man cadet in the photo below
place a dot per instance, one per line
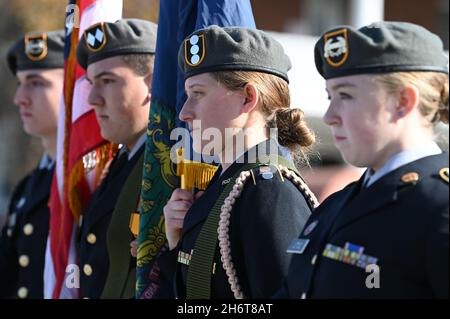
(118, 58)
(37, 61)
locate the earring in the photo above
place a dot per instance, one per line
(401, 113)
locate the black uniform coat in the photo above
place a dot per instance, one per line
(263, 222)
(92, 246)
(403, 225)
(24, 237)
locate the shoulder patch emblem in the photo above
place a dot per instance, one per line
(265, 172)
(443, 173)
(410, 178)
(95, 37)
(336, 48)
(36, 46)
(308, 230)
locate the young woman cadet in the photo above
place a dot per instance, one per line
(232, 240)
(386, 235)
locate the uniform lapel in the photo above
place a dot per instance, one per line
(366, 202)
(384, 191)
(104, 199)
(199, 211)
(338, 206)
(127, 200)
(38, 189)
(131, 187)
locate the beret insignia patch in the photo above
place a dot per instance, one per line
(95, 37)
(194, 50)
(336, 47)
(36, 48)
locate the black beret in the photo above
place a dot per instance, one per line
(379, 48)
(107, 39)
(37, 50)
(232, 49)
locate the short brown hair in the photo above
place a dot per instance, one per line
(141, 64)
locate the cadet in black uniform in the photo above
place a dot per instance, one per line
(237, 79)
(386, 235)
(120, 68)
(37, 61)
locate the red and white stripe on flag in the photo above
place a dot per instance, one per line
(81, 156)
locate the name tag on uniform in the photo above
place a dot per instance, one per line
(298, 246)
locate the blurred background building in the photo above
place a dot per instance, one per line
(295, 23)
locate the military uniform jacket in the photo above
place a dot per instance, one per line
(399, 224)
(262, 223)
(92, 239)
(24, 237)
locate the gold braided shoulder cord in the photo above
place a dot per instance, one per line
(224, 223)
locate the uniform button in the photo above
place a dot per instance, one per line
(28, 229)
(91, 238)
(303, 296)
(9, 232)
(24, 260)
(87, 269)
(22, 293)
(313, 260)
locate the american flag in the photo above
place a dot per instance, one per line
(82, 153)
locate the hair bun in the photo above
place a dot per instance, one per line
(292, 129)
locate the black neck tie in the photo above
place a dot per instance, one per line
(367, 177)
(117, 164)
